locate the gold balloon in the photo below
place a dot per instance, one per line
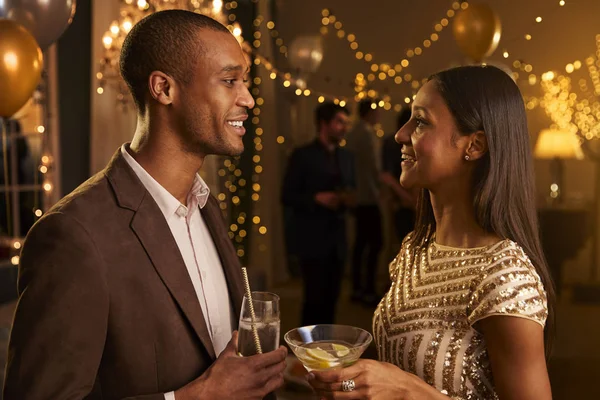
(21, 63)
(477, 31)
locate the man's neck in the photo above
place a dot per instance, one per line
(367, 123)
(166, 161)
(324, 140)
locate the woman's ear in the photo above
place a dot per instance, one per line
(477, 147)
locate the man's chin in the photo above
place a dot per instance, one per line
(233, 150)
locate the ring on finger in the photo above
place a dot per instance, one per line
(348, 385)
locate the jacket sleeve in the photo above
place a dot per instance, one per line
(296, 192)
(60, 322)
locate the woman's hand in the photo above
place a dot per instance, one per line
(372, 380)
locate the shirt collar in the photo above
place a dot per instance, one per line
(168, 204)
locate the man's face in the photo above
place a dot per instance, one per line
(211, 109)
(337, 127)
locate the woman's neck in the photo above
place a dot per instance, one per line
(456, 225)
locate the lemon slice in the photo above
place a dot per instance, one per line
(320, 354)
(340, 350)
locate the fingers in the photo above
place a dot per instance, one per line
(267, 373)
(337, 375)
(325, 386)
(267, 359)
(274, 383)
(231, 348)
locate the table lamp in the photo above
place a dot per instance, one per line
(557, 145)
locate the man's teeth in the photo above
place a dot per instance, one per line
(408, 158)
(237, 124)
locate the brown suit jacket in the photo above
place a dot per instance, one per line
(106, 307)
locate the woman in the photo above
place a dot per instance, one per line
(471, 294)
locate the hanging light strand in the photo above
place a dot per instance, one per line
(383, 71)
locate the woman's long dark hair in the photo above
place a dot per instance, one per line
(485, 98)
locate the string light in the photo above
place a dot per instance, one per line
(367, 56)
(288, 81)
(387, 71)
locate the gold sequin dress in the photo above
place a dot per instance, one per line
(424, 324)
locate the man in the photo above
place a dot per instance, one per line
(369, 240)
(402, 201)
(129, 287)
(318, 187)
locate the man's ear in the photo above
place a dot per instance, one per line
(162, 87)
(477, 146)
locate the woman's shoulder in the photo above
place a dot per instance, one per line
(509, 252)
(508, 285)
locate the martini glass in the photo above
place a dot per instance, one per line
(323, 347)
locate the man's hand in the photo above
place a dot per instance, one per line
(329, 200)
(235, 377)
(388, 179)
(348, 198)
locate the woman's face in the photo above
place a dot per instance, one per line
(433, 151)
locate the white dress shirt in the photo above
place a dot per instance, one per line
(198, 251)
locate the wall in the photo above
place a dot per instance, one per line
(110, 126)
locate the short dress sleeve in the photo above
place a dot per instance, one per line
(509, 286)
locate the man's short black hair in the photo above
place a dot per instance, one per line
(365, 106)
(327, 111)
(165, 41)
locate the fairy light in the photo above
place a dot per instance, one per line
(525, 67)
(386, 71)
(300, 87)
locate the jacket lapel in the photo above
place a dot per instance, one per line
(155, 235)
(229, 260)
(153, 232)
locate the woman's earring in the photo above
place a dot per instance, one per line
(467, 157)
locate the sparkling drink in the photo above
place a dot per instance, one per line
(326, 354)
(266, 314)
(268, 335)
(321, 347)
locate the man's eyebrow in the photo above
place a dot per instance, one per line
(234, 68)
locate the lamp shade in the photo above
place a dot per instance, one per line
(554, 143)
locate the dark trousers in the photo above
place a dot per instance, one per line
(322, 281)
(367, 246)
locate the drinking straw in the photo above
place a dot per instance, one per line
(252, 315)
